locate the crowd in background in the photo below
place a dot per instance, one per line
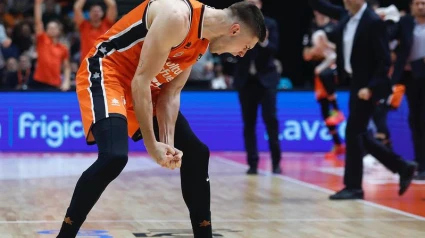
(19, 51)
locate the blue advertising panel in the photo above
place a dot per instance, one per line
(51, 122)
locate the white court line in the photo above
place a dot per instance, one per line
(325, 190)
(221, 221)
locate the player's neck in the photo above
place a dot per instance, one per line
(215, 23)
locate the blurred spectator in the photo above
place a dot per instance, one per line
(11, 76)
(25, 72)
(8, 18)
(22, 37)
(220, 80)
(18, 74)
(409, 69)
(256, 79)
(391, 16)
(227, 63)
(204, 68)
(51, 55)
(74, 68)
(97, 24)
(320, 53)
(363, 58)
(4, 43)
(20, 6)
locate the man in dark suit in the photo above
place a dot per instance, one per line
(363, 57)
(256, 80)
(409, 69)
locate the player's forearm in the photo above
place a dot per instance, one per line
(67, 74)
(167, 109)
(142, 102)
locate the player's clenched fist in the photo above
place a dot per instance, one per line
(176, 160)
(165, 155)
(161, 153)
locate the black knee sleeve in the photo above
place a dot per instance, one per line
(204, 152)
(112, 141)
(324, 108)
(194, 172)
(110, 166)
(196, 188)
(327, 77)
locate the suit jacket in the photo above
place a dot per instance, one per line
(263, 58)
(370, 57)
(403, 32)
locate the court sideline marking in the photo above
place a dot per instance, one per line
(321, 189)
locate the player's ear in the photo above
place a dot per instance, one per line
(234, 29)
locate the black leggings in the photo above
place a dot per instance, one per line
(327, 77)
(112, 141)
(324, 109)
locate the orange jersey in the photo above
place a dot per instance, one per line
(120, 47)
(89, 34)
(105, 75)
(50, 57)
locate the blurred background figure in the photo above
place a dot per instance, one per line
(98, 22)
(52, 56)
(409, 69)
(363, 58)
(390, 15)
(203, 71)
(256, 80)
(321, 54)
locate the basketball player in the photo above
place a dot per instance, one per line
(132, 79)
(321, 54)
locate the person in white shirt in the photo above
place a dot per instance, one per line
(363, 59)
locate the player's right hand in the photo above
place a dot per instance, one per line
(176, 161)
(161, 153)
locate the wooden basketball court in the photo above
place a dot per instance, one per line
(145, 200)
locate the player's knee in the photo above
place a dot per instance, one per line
(114, 163)
(107, 167)
(204, 151)
(200, 155)
(117, 159)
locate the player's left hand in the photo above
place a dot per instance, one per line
(365, 94)
(175, 161)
